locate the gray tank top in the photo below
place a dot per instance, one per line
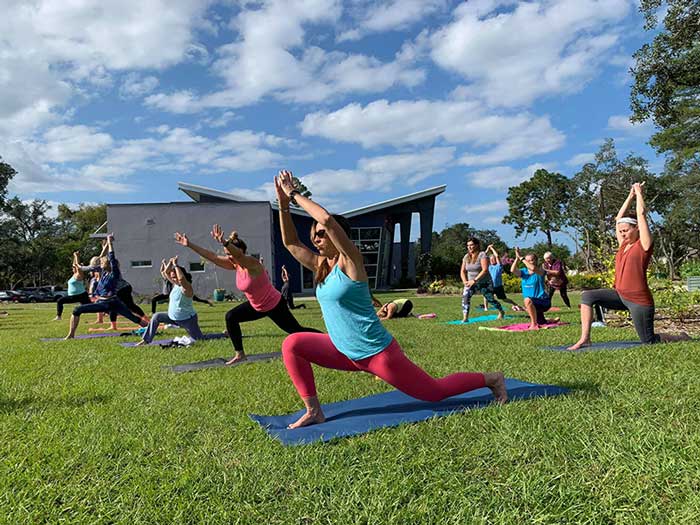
(473, 269)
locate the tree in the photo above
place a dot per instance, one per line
(301, 187)
(539, 204)
(6, 174)
(449, 246)
(666, 86)
(596, 193)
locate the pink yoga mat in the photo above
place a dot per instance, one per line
(520, 327)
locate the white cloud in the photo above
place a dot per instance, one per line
(580, 159)
(514, 52)
(393, 15)
(72, 143)
(271, 59)
(486, 207)
(410, 123)
(503, 177)
(59, 49)
(134, 85)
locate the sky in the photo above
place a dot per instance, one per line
(118, 101)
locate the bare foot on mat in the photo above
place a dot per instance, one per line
(240, 356)
(497, 383)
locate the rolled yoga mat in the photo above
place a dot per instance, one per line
(521, 327)
(390, 409)
(207, 337)
(220, 362)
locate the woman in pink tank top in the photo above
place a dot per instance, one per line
(263, 300)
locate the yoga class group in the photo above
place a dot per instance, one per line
(356, 338)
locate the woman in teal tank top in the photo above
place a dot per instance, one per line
(356, 339)
(76, 289)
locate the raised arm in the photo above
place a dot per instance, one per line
(251, 264)
(186, 285)
(491, 249)
(514, 266)
(219, 260)
(623, 209)
(645, 237)
(289, 232)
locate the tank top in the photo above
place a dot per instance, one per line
(351, 321)
(631, 273)
(75, 286)
(473, 269)
(399, 303)
(180, 306)
(259, 291)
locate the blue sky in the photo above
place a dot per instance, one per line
(117, 101)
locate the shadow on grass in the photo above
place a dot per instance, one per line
(8, 406)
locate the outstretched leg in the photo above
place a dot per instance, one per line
(234, 317)
(285, 319)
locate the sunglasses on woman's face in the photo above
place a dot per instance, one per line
(320, 234)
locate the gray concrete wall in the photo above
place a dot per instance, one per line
(145, 232)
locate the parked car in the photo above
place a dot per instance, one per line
(13, 296)
(38, 295)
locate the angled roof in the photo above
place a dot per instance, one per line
(196, 192)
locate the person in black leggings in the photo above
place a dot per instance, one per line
(76, 289)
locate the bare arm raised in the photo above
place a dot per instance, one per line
(219, 260)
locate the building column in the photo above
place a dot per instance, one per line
(405, 225)
(426, 210)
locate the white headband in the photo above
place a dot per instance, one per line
(627, 220)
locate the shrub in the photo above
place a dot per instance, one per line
(511, 283)
(681, 303)
(690, 269)
(586, 281)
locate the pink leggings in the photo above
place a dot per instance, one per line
(391, 364)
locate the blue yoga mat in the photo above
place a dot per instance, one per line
(480, 319)
(84, 336)
(390, 409)
(602, 345)
(207, 337)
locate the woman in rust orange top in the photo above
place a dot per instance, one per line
(631, 290)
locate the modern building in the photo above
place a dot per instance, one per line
(144, 234)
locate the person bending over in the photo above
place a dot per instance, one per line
(356, 339)
(631, 290)
(536, 299)
(107, 299)
(76, 289)
(263, 300)
(180, 308)
(395, 309)
(555, 277)
(474, 272)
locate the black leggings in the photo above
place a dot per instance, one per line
(563, 293)
(280, 315)
(162, 298)
(113, 305)
(125, 295)
(642, 315)
(82, 298)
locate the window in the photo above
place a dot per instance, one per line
(141, 264)
(196, 267)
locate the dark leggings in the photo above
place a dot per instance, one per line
(563, 293)
(280, 315)
(113, 305)
(125, 295)
(485, 287)
(82, 298)
(162, 298)
(642, 315)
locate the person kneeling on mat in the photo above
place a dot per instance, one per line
(107, 299)
(395, 309)
(536, 298)
(356, 339)
(631, 289)
(180, 306)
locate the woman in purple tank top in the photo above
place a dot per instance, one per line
(263, 300)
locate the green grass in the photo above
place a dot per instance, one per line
(91, 432)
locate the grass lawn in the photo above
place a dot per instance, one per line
(91, 432)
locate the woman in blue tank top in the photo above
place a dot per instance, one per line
(356, 340)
